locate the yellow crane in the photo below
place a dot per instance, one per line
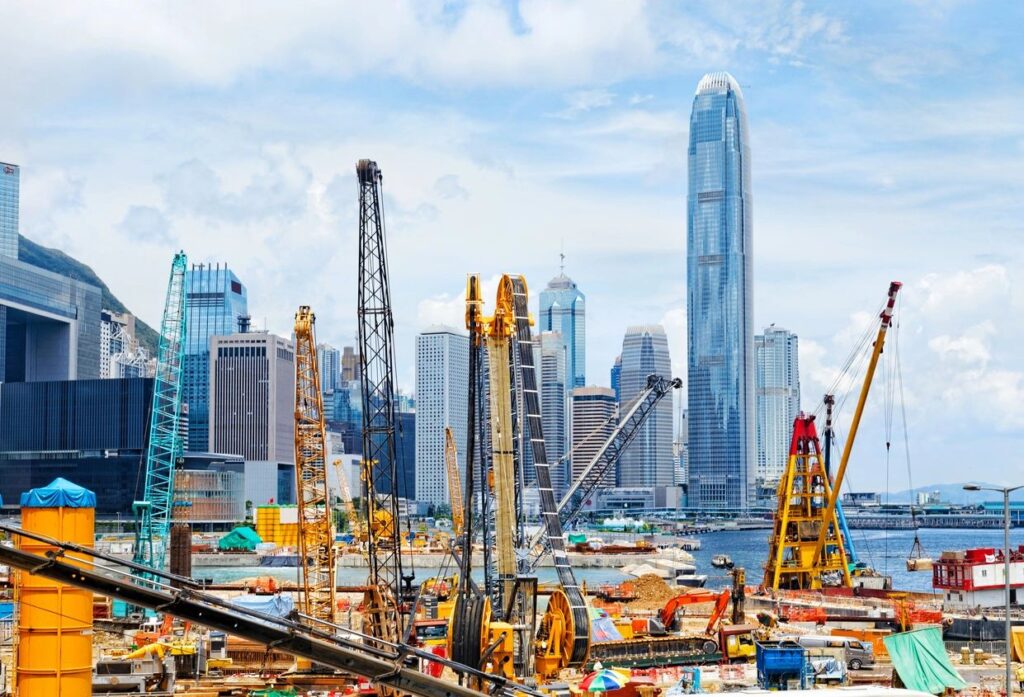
(807, 546)
(451, 461)
(355, 526)
(316, 536)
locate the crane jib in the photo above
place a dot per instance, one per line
(548, 505)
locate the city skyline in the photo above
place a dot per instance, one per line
(877, 157)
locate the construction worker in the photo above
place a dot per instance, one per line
(1020, 677)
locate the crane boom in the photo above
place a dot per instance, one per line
(316, 536)
(886, 320)
(377, 361)
(164, 446)
(451, 462)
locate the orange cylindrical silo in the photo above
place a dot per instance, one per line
(54, 655)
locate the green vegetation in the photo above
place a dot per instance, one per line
(58, 262)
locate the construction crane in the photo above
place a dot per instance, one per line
(807, 550)
(316, 534)
(451, 462)
(377, 368)
(622, 435)
(164, 446)
(355, 526)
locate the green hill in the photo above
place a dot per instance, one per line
(59, 262)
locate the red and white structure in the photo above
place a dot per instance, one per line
(976, 578)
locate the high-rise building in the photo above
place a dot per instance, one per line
(121, 356)
(681, 446)
(778, 401)
(594, 413)
(216, 302)
(349, 364)
(719, 299)
(328, 359)
(10, 203)
(563, 310)
(442, 387)
(647, 462)
(550, 362)
(616, 376)
(252, 409)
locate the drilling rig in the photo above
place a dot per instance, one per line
(382, 605)
(316, 536)
(163, 449)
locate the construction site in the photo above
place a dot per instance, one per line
(97, 620)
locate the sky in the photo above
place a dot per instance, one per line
(887, 143)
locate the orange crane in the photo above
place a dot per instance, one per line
(451, 461)
(316, 537)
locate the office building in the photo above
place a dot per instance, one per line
(252, 409)
(442, 385)
(328, 359)
(10, 204)
(216, 303)
(719, 306)
(594, 417)
(778, 401)
(647, 462)
(349, 364)
(121, 356)
(405, 445)
(563, 310)
(616, 375)
(91, 432)
(550, 363)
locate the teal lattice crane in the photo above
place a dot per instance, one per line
(153, 512)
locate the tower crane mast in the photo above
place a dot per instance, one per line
(451, 462)
(316, 537)
(164, 446)
(377, 361)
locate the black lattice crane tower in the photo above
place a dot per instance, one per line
(316, 535)
(377, 363)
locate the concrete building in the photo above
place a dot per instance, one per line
(442, 385)
(349, 364)
(121, 356)
(217, 302)
(594, 417)
(647, 462)
(550, 363)
(252, 409)
(720, 299)
(778, 401)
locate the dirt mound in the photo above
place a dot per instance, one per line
(652, 593)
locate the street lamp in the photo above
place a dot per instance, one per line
(1005, 491)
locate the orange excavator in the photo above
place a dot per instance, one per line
(670, 613)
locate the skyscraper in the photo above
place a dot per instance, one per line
(616, 375)
(10, 201)
(778, 401)
(563, 310)
(719, 299)
(328, 359)
(442, 386)
(593, 420)
(216, 299)
(549, 360)
(648, 460)
(349, 364)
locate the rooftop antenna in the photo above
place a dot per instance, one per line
(561, 258)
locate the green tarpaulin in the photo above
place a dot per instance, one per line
(921, 662)
(240, 538)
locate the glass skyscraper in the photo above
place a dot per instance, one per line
(10, 186)
(563, 309)
(648, 460)
(719, 299)
(216, 299)
(778, 401)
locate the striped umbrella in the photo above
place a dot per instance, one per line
(604, 680)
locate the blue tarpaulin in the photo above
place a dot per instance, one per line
(276, 605)
(6, 611)
(59, 494)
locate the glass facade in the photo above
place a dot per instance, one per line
(10, 184)
(563, 309)
(720, 299)
(648, 461)
(778, 401)
(216, 300)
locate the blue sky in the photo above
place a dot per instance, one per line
(887, 143)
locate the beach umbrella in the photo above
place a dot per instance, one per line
(604, 680)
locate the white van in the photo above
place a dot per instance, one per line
(857, 654)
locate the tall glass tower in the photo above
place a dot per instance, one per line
(719, 299)
(216, 299)
(563, 309)
(778, 402)
(10, 186)
(648, 460)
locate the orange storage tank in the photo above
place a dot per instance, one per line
(54, 655)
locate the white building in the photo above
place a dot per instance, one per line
(594, 416)
(550, 363)
(442, 386)
(778, 401)
(648, 461)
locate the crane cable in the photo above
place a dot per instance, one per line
(916, 551)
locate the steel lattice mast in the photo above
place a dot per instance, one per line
(153, 512)
(316, 537)
(377, 361)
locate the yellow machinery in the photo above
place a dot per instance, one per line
(355, 526)
(316, 537)
(806, 550)
(54, 634)
(451, 462)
